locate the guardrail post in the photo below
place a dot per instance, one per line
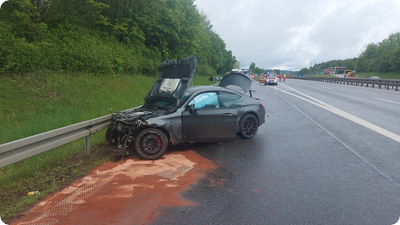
(87, 145)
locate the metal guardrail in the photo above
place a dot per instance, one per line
(27, 147)
(386, 83)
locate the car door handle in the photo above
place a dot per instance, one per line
(227, 115)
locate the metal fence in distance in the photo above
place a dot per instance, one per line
(379, 83)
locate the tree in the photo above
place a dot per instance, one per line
(237, 65)
(24, 19)
(252, 66)
(105, 36)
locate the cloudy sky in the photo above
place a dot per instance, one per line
(292, 34)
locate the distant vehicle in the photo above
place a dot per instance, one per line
(174, 113)
(263, 79)
(374, 78)
(218, 79)
(349, 73)
(272, 79)
(236, 71)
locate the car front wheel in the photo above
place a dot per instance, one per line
(248, 126)
(151, 144)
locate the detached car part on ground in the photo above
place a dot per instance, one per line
(174, 113)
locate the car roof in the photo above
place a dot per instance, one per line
(199, 88)
(205, 88)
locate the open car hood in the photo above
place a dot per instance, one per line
(237, 79)
(174, 77)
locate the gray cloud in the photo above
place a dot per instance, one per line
(291, 34)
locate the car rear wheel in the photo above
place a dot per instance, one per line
(248, 126)
(151, 144)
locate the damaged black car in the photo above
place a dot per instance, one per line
(175, 113)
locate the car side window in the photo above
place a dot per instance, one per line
(205, 100)
(228, 100)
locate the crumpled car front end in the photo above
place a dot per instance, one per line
(123, 129)
(163, 99)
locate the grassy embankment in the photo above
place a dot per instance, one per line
(33, 104)
(392, 75)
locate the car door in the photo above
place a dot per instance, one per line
(211, 118)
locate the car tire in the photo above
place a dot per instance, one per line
(111, 134)
(151, 144)
(248, 126)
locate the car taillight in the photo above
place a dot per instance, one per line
(260, 103)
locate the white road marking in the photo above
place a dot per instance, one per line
(381, 99)
(326, 88)
(343, 114)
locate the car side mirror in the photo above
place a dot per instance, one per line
(192, 109)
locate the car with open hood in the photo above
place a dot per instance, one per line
(175, 113)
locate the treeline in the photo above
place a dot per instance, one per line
(107, 36)
(381, 57)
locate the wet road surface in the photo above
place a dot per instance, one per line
(309, 163)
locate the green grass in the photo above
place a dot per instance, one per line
(392, 75)
(35, 103)
(47, 173)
